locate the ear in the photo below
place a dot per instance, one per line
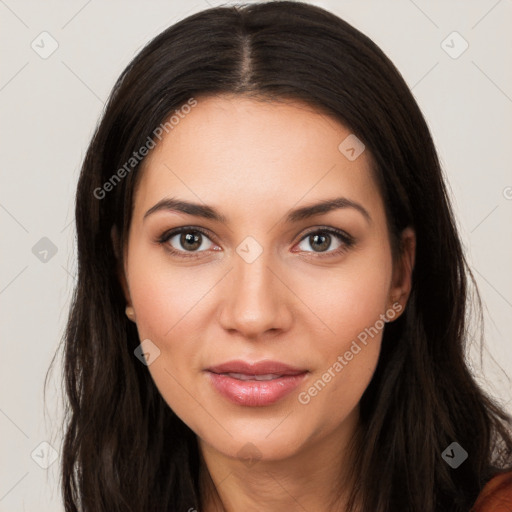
(402, 272)
(114, 235)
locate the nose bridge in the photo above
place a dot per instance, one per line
(254, 299)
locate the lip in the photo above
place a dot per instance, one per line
(255, 393)
(256, 368)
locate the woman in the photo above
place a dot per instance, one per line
(271, 304)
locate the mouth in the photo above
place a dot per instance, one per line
(257, 369)
(255, 384)
(243, 376)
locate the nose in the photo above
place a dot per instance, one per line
(256, 300)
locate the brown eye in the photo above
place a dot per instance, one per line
(321, 241)
(185, 240)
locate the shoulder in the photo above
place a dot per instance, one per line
(496, 496)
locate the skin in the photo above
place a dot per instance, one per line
(255, 161)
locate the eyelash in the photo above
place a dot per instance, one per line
(347, 241)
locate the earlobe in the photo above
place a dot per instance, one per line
(130, 313)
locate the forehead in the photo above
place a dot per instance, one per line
(233, 150)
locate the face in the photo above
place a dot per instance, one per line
(264, 316)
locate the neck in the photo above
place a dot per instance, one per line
(314, 479)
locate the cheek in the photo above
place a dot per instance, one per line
(170, 304)
(347, 300)
(336, 392)
(349, 356)
(167, 303)
(350, 305)
(165, 296)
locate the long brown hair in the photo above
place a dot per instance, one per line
(124, 448)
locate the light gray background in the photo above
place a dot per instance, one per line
(49, 108)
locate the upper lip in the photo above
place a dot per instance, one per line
(256, 368)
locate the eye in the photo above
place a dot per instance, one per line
(321, 240)
(181, 241)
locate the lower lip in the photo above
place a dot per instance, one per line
(255, 393)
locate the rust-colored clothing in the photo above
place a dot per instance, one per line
(496, 496)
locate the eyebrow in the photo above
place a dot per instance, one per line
(305, 212)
